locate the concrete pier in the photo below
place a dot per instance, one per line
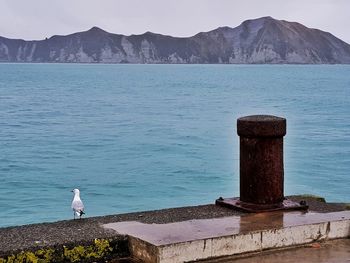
(211, 238)
(96, 239)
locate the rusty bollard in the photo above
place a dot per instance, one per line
(261, 166)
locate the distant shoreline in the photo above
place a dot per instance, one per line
(200, 64)
(264, 40)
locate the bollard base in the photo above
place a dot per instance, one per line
(236, 204)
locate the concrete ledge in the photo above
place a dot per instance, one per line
(209, 238)
(84, 238)
(75, 240)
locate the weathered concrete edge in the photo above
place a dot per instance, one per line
(261, 240)
(143, 250)
(240, 243)
(158, 216)
(316, 247)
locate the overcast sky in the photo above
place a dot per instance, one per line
(37, 19)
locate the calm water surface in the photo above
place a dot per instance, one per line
(139, 137)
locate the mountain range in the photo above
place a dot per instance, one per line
(257, 41)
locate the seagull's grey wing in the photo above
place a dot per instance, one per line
(77, 205)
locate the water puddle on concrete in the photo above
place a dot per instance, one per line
(162, 234)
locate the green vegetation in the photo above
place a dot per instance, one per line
(315, 197)
(99, 249)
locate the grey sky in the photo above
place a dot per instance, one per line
(37, 19)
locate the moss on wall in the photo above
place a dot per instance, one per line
(97, 250)
(315, 197)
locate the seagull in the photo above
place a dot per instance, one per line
(77, 204)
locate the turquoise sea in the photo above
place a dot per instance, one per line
(140, 137)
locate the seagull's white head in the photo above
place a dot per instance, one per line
(76, 191)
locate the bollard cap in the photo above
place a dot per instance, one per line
(261, 126)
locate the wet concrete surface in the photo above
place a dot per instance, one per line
(87, 229)
(184, 231)
(79, 231)
(336, 251)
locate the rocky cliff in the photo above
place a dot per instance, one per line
(263, 40)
